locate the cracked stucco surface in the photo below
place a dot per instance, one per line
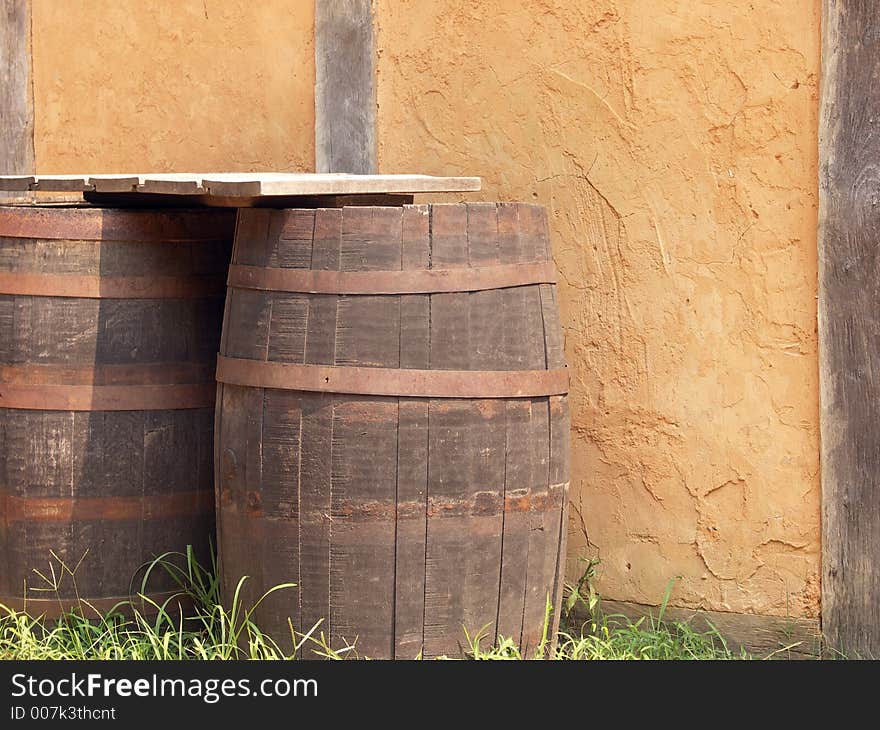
(674, 144)
(173, 86)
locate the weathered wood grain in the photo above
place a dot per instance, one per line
(345, 87)
(118, 486)
(16, 100)
(849, 321)
(233, 189)
(404, 520)
(240, 528)
(272, 504)
(365, 445)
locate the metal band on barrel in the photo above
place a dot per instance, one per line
(110, 287)
(410, 281)
(393, 381)
(146, 373)
(107, 397)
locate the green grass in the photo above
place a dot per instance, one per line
(603, 636)
(210, 631)
(614, 637)
(143, 629)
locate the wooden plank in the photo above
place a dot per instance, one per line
(323, 315)
(450, 439)
(515, 545)
(287, 327)
(274, 533)
(345, 87)
(252, 237)
(322, 229)
(371, 239)
(61, 184)
(410, 528)
(415, 310)
(849, 319)
(560, 445)
(247, 324)
(481, 308)
(544, 526)
(483, 527)
(291, 238)
(449, 235)
(16, 99)
(482, 584)
(412, 458)
(365, 447)
(316, 510)
(327, 239)
(553, 344)
(364, 453)
(239, 530)
(18, 183)
(338, 184)
(510, 243)
(367, 327)
(761, 636)
(466, 443)
(240, 189)
(99, 183)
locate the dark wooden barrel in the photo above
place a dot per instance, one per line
(392, 424)
(109, 327)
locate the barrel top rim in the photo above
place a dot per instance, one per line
(242, 185)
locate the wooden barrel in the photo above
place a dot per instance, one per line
(392, 424)
(109, 328)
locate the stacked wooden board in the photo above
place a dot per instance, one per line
(235, 189)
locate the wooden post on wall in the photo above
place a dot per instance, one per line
(16, 102)
(849, 324)
(345, 91)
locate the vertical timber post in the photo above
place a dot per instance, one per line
(345, 89)
(16, 101)
(849, 325)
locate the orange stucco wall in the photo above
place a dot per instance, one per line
(674, 144)
(173, 86)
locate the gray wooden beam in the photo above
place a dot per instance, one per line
(345, 89)
(849, 325)
(16, 101)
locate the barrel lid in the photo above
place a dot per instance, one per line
(236, 188)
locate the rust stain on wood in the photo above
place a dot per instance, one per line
(160, 373)
(66, 509)
(107, 397)
(392, 381)
(111, 287)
